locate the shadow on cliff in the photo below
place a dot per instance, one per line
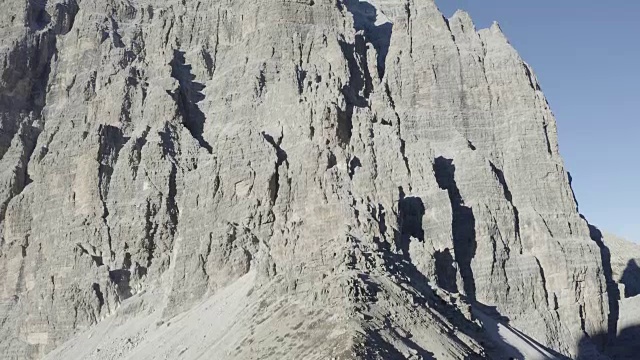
(411, 212)
(465, 245)
(188, 95)
(446, 271)
(402, 268)
(463, 224)
(631, 279)
(624, 345)
(378, 346)
(493, 322)
(613, 293)
(410, 221)
(25, 83)
(613, 344)
(376, 28)
(398, 263)
(372, 28)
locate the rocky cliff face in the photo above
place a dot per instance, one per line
(286, 179)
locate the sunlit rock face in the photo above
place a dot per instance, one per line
(283, 179)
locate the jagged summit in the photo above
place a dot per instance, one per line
(285, 180)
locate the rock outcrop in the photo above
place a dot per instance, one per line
(622, 257)
(282, 179)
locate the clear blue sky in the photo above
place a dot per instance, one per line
(586, 54)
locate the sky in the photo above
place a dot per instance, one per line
(586, 55)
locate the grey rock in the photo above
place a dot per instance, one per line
(624, 257)
(281, 179)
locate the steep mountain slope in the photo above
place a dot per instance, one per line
(286, 179)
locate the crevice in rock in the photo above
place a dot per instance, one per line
(24, 246)
(281, 158)
(274, 186)
(448, 24)
(209, 60)
(546, 137)
(135, 157)
(150, 231)
(111, 142)
(382, 220)
(203, 258)
(462, 226)
(582, 319)
(534, 85)
(546, 225)
(403, 150)
(499, 174)
(345, 125)
(99, 296)
(168, 143)
(575, 199)
(407, 10)
(262, 82)
(188, 95)
(53, 288)
(203, 266)
(301, 75)
(398, 129)
(544, 280)
(172, 204)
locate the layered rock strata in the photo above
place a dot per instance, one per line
(357, 178)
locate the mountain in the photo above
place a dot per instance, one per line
(285, 179)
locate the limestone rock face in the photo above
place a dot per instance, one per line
(281, 179)
(624, 294)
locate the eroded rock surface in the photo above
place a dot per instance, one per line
(356, 179)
